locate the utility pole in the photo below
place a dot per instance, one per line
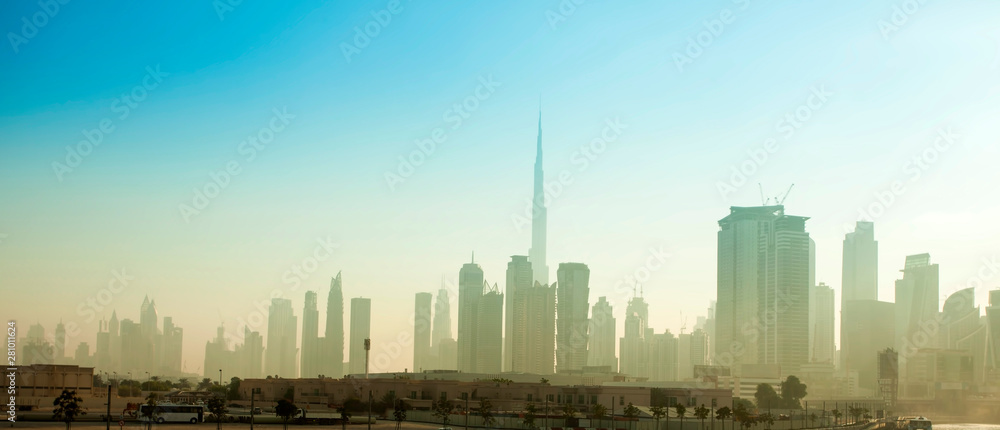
(108, 426)
(368, 348)
(252, 392)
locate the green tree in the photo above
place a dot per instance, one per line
(151, 410)
(836, 416)
(568, 411)
(529, 415)
(67, 407)
(681, 411)
(233, 389)
(485, 410)
(544, 381)
(723, 413)
(217, 406)
(658, 413)
(205, 384)
(766, 418)
(742, 415)
(631, 412)
(792, 391)
(285, 410)
(600, 411)
(702, 413)
(766, 397)
(345, 415)
(443, 409)
(399, 413)
(183, 384)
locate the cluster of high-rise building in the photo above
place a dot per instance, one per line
(284, 354)
(771, 319)
(122, 346)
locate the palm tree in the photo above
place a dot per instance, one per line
(67, 407)
(722, 413)
(681, 411)
(600, 411)
(836, 416)
(657, 412)
(702, 413)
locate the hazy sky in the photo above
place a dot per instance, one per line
(179, 88)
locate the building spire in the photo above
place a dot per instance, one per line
(538, 154)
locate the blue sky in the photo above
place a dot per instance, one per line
(324, 174)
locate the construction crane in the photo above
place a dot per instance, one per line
(785, 196)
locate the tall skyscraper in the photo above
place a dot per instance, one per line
(917, 306)
(470, 291)
(763, 289)
(60, 346)
(572, 324)
(993, 333)
(632, 349)
(531, 320)
(870, 329)
(250, 355)
(282, 326)
(539, 217)
(602, 335)
(422, 332)
(660, 362)
(361, 325)
(519, 279)
(172, 345)
(489, 331)
(333, 337)
(859, 272)
(821, 331)
(311, 353)
(442, 319)
(962, 329)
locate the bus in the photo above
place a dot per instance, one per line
(919, 423)
(174, 413)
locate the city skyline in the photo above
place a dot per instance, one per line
(316, 200)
